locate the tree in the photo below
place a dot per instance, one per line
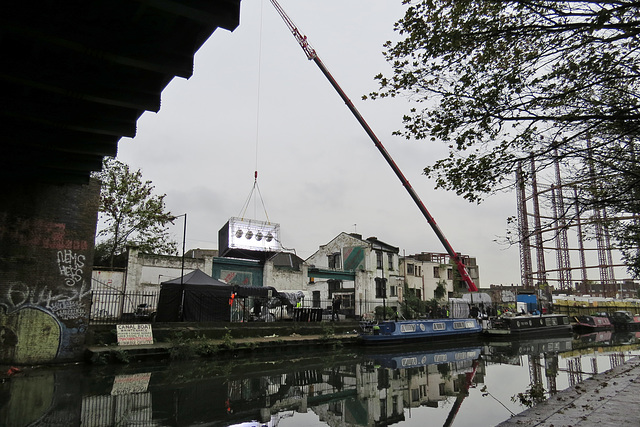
(501, 82)
(440, 291)
(131, 213)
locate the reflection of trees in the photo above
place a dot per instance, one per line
(445, 371)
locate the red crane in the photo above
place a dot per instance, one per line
(313, 56)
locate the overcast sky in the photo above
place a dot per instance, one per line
(255, 99)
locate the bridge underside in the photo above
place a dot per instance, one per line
(76, 76)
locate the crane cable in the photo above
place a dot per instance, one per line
(255, 177)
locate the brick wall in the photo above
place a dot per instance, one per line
(47, 236)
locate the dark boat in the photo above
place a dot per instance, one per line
(587, 324)
(518, 326)
(431, 330)
(625, 320)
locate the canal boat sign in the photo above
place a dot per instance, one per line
(517, 326)
(428, 330)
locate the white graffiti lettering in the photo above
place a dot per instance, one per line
(68, 310)
(71, 266)
(68, 305)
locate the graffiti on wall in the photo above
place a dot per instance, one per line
(70, 264)
(236, 277)
(39, 233)
(43, 310)
(354, 258)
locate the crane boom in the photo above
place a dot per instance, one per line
(313, 56)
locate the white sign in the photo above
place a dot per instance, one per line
(129, 384)
(137, 334)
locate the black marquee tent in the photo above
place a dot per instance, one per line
(205, 299)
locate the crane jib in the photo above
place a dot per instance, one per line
(312, 55)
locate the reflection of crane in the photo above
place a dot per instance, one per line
(312, 55)
(464, 392)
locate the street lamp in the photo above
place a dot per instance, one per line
(184, 239)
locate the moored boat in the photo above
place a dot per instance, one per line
(586, 324)
(517, 326)
(427, 330)
(625, 320)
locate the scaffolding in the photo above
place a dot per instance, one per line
(554, 210)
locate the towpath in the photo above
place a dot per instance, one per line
(609, 399)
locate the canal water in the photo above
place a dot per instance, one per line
(478, 384)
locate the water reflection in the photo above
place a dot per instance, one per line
(364, 387)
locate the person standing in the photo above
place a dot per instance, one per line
(335, 307)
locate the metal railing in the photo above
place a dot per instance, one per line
(108, 307)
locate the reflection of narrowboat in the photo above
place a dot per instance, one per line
(415, 359)
(430, 330)
(597, 337)
(586, 324)
(625, 320)
(530, 346)
(518, 326)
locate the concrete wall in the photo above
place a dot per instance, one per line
(47, 235)
(284, 279)
(145, 272)
(107, 280)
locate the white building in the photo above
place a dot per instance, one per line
(425, 271)
(364, 272)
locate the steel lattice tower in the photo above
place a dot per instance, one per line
(523, 230)
(562, 240)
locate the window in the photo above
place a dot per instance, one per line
(315, 296)
(418, 272)
(334, 285)
(383, 409)
(410, 269)
(348, 300)
(390, 258)
(381, 287)
(393, 291)
(334, 260)
(449, 274)
(418, 293)
(436, 272)
(379, 260)
(394, 404)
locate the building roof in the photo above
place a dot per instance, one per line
(76, 76)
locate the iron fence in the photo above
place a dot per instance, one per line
(112, 307)
(108, 307)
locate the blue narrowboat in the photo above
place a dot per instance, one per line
(428, 330)
(426, 357)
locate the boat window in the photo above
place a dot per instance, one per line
(408, 328)
(409, 361)
(439, 327)
(458, 325)
(439, 358)
(470, 324)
